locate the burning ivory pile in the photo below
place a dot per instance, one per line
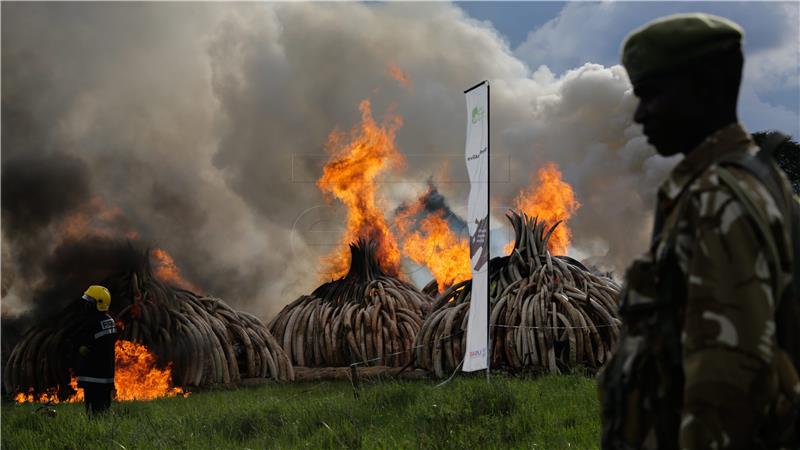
(207, 341)
(203, 339)
(547, 313)
(364, 317)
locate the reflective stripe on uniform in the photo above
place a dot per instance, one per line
(104, 332)
(96, 380)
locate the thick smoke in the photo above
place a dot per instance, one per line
(123, 109)
(205, 123)
(35, 193)
(433, 202)
(580, 120)
(584, 124)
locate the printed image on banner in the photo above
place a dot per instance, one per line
(477, 159)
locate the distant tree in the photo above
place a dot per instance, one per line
(787, 155)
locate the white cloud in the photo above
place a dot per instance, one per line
(775, 65)
(594, 32)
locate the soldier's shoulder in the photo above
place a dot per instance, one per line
(712, 194)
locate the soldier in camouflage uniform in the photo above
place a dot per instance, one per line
(697, 365)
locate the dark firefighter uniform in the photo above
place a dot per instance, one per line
(95, 368)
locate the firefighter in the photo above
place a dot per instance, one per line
(96, 361)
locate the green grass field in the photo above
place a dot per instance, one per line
(551, 412)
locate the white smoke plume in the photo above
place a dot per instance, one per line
(205, 124)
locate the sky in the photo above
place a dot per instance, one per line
(202, 126)
(514, 20)
(563, 36)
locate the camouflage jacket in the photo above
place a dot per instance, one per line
(709, 274)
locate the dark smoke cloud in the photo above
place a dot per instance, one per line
(76, 264)
(38, 191)
(36, 194)
(68, 270)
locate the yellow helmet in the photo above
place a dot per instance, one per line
(99, 295)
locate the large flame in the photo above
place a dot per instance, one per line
(136, 378)
(550, 199)
(167, 271)
(350, 175)
(434, 245)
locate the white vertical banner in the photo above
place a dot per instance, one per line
(477, 158)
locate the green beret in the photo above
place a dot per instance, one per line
(673, 41)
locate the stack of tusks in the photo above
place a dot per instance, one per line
(365, 317)
(207, 341)
(203, 339)
(547, 313)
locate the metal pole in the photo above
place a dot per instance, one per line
(488, 233)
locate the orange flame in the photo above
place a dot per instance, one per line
(168, 272)
(550, 199)
(349, 176)
(95, 218)
(435, 246)
(398, 75)
(49, 395)
(136, 378)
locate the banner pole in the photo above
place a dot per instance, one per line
(476, 355)
(488, 229)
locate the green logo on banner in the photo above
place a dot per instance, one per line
(477, 115)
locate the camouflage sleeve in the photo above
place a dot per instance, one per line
(728, 335)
